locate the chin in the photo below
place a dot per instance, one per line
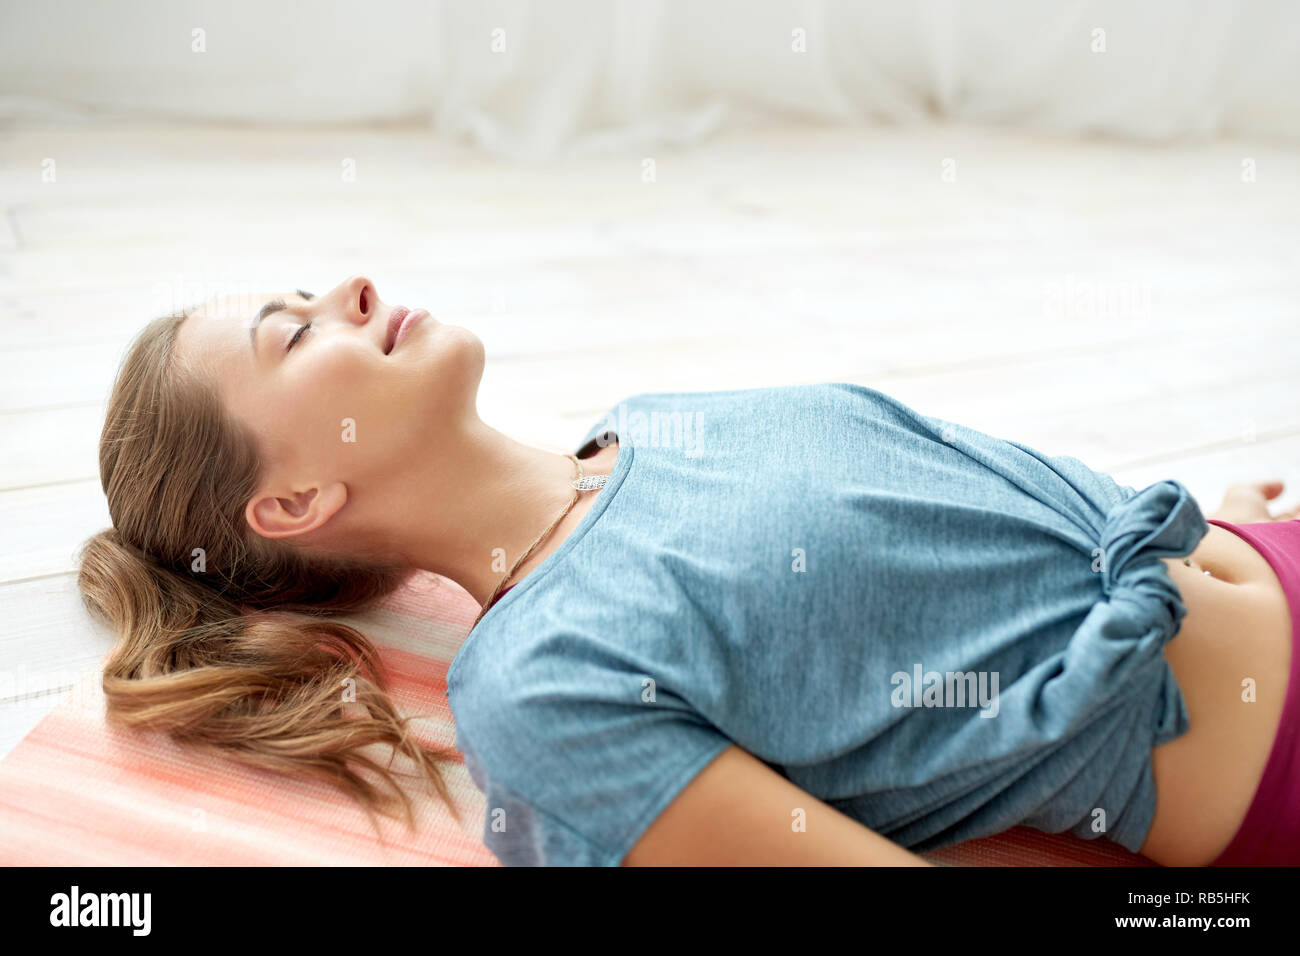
(466, 350)
(459, 368)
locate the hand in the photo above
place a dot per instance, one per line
(1248, 502)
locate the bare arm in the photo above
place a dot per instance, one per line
(739, 812)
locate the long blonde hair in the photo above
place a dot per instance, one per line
(224, 643)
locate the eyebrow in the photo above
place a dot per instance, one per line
(275, 305)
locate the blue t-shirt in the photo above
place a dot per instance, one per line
(940, 633)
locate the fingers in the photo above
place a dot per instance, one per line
(1247, 501)
(1250, 489)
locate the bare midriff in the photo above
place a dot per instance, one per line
(1237, 630)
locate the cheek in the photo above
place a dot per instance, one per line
(335, 398)
(354, 413)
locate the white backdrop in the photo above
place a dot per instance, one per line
(541, 80)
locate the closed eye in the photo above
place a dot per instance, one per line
(297, 335)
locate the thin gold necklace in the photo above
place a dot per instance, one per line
(580, 484)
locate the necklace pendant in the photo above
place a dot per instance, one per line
(590, 482)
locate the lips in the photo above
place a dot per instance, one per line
(400, 321)
(394, 323)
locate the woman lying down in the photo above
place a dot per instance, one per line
(792, 625)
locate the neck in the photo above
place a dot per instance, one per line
(493, 493)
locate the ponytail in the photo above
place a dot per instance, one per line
(238, 658)
(265, 688)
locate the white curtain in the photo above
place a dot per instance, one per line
(540, 80)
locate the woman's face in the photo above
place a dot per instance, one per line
(330, 406)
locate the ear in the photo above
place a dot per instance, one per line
(273, 516)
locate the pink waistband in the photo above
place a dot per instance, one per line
(1270, 833)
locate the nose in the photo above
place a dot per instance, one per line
(360, 299)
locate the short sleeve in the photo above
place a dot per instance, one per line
(575, 777)
(522, 835)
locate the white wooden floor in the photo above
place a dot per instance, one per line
(1134, 307)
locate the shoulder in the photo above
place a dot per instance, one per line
(549, 683)
(577, 755)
